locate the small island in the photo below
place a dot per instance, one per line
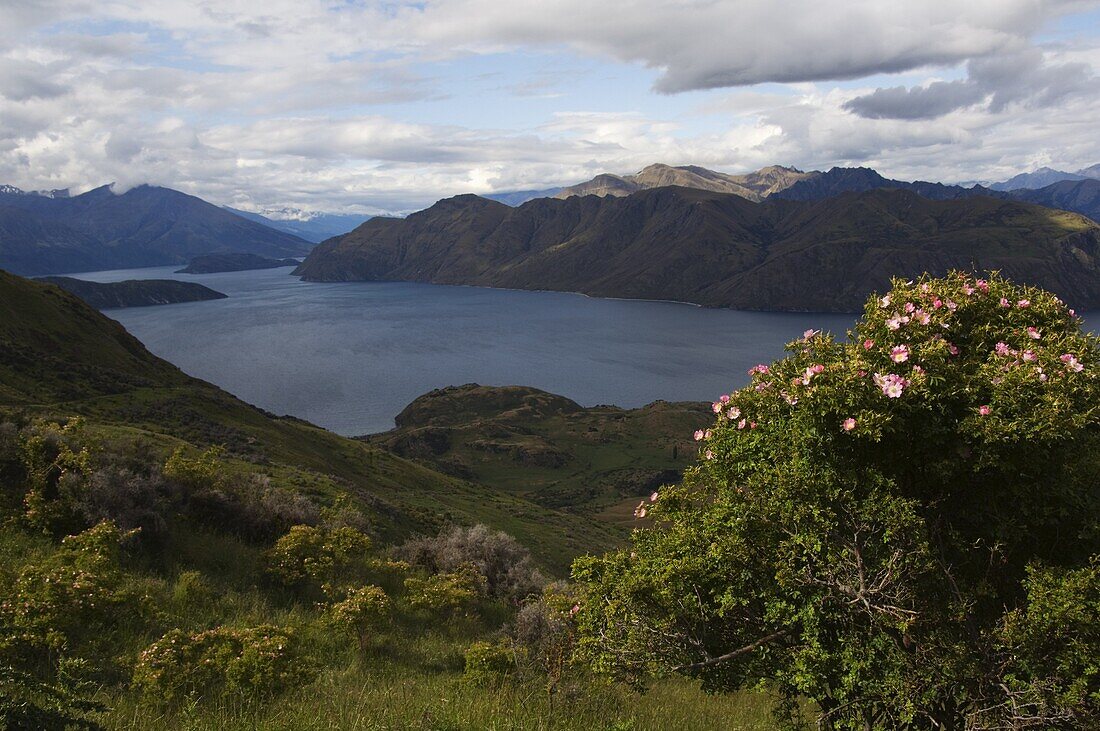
(135, 292)
(214, 263)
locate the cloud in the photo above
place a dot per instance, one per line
(1025, 78)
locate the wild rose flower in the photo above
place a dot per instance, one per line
(917, 369)
(1072, 312)
(951, 306)
(1033, 333)
(909, 307)
(733, 413)
(1030, 356)
(741, 424)
(1003, 349)
(760, 368)
(1005, 303)
(893, 323)
(716, 407)
(653, 497)
(724, 398)
(707, 434)
(1023, 304)
(791, 400)
(708, 454)
(937, 303)
(922, 317)
(848, 424)
(892, 385)
(926, 288)
(868, 344)
(640, 511)
(899, 353)
(1071, 362)
(699, 434)
(884, 302)
(968, 290)
(809, 334)
(982, 285)
(952, 349)
(752, 424)
(984, 410)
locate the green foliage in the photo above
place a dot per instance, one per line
(74, 598)
(362, 612)
(50, 453)
(29, 703)
(864, 512)
(249, 663)
(489, 662)
(446, 594)
(546, 631)
(203, 471)
(315, 557)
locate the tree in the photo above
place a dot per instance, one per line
(862, 522)
(362, 612)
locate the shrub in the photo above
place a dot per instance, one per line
(489, 662)
(362, 612)
(74, 597)
(26, 702)
(191, 589)
(545, 629)
(203, 471)
(506, 565)
(251, 663)
(127, 499)
(49, 453)
(311, 557)
(863, 515)
(445, 594)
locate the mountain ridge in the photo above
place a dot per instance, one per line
(719, 249)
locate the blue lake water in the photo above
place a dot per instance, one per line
(350, 356)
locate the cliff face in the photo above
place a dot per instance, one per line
(720, 249)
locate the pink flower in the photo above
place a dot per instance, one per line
(724, 398)
(809, 334)
(1023, 304)
(868, 344)
(1072, 313)
(848, 424)
(892, 385)
(893, 323)
(909, 307)
(706, 434)
(899, 353)
(699, 434)
(922, 317)
(984, 410)
(1030, 356)
(716, 407)
(761, 368)
(917, 369)
(1033, 333)
(1003, 349)
(1071, 362)
(952, 349)
(733, 413)
(576, 608)
(926, 288)
(1005, 302)
(968, 290)
(640, 511)
(817, 368)
(952, 306)
(791, 400)
(752, 424)
(708, 454)
(741, 424)
(982, 285)
(937, 303)
(884, 302)
(653, 497)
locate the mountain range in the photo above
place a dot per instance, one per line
(312, 226)
(143, 226)
(755, 186)
(134, 292)
(720, 249)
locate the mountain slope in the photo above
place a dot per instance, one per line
(719, 249)
(754, 186)
(1040, 178)
(145, 226)
(59, 357)
(313, 227)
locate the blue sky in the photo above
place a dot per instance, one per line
(376, 107)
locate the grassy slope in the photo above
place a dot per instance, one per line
(548, 449)
(59, 356)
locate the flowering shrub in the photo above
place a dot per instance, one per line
(73, 598)
(362, 612)
(445, 594)
(865, 511)
(318, 557)
(489, 662)
(254, 662)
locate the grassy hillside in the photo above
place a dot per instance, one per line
(59, 356)
(548, 449)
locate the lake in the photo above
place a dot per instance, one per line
(349, 356)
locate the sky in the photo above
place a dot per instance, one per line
(386, 107)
